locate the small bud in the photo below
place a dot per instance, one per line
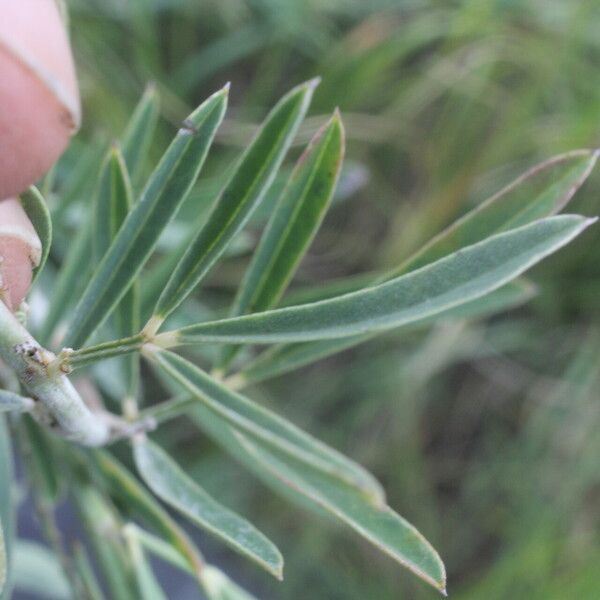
(39, 98)
(20, 253)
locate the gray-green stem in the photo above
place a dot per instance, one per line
(57, 404)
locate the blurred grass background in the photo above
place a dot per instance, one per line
(483, 433)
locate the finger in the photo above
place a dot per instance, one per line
(20, 251)
(39, 99)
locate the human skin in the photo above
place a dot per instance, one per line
(39, 111)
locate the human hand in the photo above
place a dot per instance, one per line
(39, 111)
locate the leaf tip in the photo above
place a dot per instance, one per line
(312, 84)
(225, 88)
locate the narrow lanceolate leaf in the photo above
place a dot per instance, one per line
(140, 130)
(147, 584)
(294, 223)
(168, 481)
(103, 528)
(37, 211)
(260, 423)
(142, 505)
(541, 192)
(282, 358)
(243, 192)
(384, 528)
(317, 491)
(168, 186)
(7, 523)
(112, 204)
(458, 278)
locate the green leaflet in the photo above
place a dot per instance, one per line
(460, 277)
(238, 199)
(112, 204)
(142, 505)
(6, 510)
(103, 527)
(37, 211)
(323, 494)
(542, 191)
(147, 584)
(140, 130)
(86, 573)
(385, 529)
(166, 189)
(293, 224)
(283, 358)
(260, 423)
(168, 481)
(216, 585)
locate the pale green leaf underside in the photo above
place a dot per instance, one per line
(165, 191)
(240, 196)
(264, 425)
(324, 495)
(140, 130)
(293, 224)
(384, 528)
(141, 503)
(168, 481)
(147, 584)
(542, 191)
(458, 278)
(283, 358)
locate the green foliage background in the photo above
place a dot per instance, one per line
(484, 434)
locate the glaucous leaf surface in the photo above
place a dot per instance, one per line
(140, 130)
(460, 277)
(238, 199)
(164, 193)
(261, 423)
(142, 505)
(541, 192)
(168, 481)
(293, 224)
(282, 358)
(384, 528)
(325, 495)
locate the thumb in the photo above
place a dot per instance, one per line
(20, 251)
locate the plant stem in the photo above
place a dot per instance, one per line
(58, 405)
